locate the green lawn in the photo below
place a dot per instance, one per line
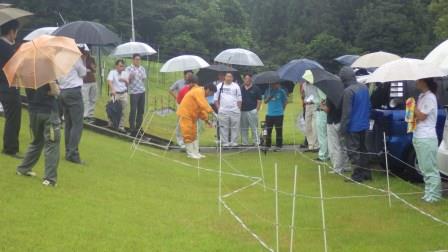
(152, 202)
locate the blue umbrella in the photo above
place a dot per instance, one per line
(347, 60)
(294, 70)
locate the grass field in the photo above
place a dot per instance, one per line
(153, 202)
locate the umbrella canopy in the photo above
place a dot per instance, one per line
(41, 61)
(265, 79)
(439, 56)
(405, 70)
(39, 32)
(184, 63)
(347, 60)
(7, 14)
(374, 60)
(239, 56)
(87, 32)
(131, 48)
(330, 84)
(210, 74)
(294, 70)
(114, 112)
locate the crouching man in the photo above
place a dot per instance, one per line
(194, 106)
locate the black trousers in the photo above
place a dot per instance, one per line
(12, 107)
(137, 110)
(277, 122)
(357, 152)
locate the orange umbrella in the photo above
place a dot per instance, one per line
(41, 61)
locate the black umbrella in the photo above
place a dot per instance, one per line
(210, 74)
(114, 112)
(330, 84)
(294, 70)
(86, 32)
(264, 79)
(347, 60)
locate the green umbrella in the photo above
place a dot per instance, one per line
(7, 14)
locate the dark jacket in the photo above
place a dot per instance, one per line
(6, 52)
(355, 103)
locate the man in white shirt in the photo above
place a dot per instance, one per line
(228, 101)
(118, 80)
(73, 108)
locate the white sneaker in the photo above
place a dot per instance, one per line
(234, 144)
(202, 156)
(193, 156)
(226, 145)
(191, 153)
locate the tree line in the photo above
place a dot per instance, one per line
(277, 30)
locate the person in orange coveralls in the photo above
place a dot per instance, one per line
(194, 106)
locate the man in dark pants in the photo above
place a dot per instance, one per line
(137, 93)
(72, 104)
(46, 133)
(276, 98)
(9, 96)
(355, 122)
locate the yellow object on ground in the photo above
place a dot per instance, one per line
(193, 107)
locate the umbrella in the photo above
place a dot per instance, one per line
(238, 56)
(265, 79)
(131, 48)
(184, 63)
(39, 32)
(405, 70)
(374, 60)
(294, 70)
(41, 60)
(7, 14)
(87, 32)
(347, 60)
(439, 56)
(114, 112)
(328, 83)
(210, 74)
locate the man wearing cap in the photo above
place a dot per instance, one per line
(9, 96)
(89, 88)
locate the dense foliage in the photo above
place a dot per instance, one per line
(278, 30)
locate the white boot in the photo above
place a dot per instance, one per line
(191, 151)
(196, 149)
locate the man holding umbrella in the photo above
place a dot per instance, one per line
(228, 101)
(355, 122)
(9, 96)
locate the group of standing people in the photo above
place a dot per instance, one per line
(237, 108)
(337, 132)
(124, 81)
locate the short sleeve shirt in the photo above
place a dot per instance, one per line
(228, 97)
(276, 104)
(427, 104)
(250, 97)
(177, 86)
(137, 79)
(115, 76)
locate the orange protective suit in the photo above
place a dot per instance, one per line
(193, 107)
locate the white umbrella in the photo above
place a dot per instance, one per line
(39, 32)
(238, 56)
(374, 60)
(405, 70)
(439, 56)
(184, 63)
(131, 48)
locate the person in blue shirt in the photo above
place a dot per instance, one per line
(276, 99)
(355, 121)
